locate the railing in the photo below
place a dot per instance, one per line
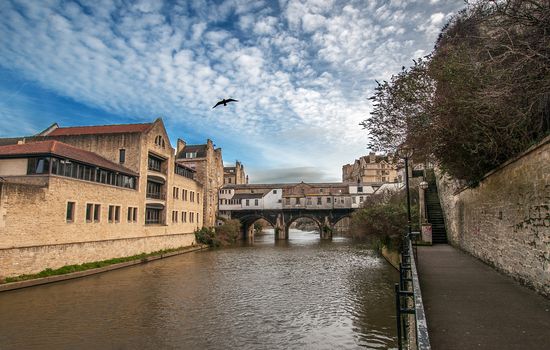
(155, 195)
(411, 319)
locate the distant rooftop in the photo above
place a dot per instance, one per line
(55, 130)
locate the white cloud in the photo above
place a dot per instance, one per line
(302, 70)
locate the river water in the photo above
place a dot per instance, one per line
(297, 294)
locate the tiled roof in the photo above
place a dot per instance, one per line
(247, 195)
(199, 149)
(9, 140)
(101, 129)
(64, 150)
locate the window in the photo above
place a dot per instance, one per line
(183, 216)
(176, 192)
(191, 217)
(154, 190)
(308, 200)
(174, 216)
(184, 195)
(97, 212)
(192, 196)
(359, 188)
(319, 201)
(198, 198)
(154, 163)
(121, 156)
(152, 216)
(70, 211)
(89, 212)
(328, 199)
(247, 202)
(132, 214)
(274, 191)
(255, 202)
(114, 213)
(93, 212)
(159, 141)
(353, 200)
(191, 155)
(183, 171)
(38, 166)
(360, 199)
(287, 201)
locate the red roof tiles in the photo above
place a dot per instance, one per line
(100, 129)
(64, 150)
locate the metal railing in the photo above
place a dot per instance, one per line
(411, 319)
(155, 195)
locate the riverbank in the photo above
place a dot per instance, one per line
(29, 281)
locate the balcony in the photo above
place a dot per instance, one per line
(155, 195)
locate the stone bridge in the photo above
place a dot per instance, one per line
(281, 219)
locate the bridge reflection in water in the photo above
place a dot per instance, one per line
(301, 293)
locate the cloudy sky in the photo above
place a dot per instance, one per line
(302, 71)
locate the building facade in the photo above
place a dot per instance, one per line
(235, 174)
(371, 169)
(301, 195)
(207, 162)
(80, 194)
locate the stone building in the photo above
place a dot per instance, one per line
(371, 169)
(207, 162)
(71, 195)
(235, 174)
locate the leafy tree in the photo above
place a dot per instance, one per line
(480, 98)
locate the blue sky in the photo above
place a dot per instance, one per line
(302, 71)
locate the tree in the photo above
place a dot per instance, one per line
(480, 98)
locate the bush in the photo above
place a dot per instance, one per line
(383, 219)
(225, 234)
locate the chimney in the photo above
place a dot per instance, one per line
(180, 146)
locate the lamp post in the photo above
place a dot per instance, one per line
(406, 152)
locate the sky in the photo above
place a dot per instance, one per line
(301, 70)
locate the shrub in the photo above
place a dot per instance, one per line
(225, 234)
(383, 219)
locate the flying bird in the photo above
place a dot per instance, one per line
(224, 102)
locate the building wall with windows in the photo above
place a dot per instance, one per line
(52, 215)
(207, 162)
(371, 169)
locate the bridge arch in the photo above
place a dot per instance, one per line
(293, 219)
(247, 224)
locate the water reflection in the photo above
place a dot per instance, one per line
(298, 294)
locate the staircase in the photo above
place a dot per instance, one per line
(435, 214)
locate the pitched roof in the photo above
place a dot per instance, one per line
(100, 129)
(56, 148)
(199, 149)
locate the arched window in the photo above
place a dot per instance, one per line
(159, 141)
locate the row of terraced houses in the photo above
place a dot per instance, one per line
(69, 195)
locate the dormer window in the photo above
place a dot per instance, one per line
(191, 155)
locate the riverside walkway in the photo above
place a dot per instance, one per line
(469, 305)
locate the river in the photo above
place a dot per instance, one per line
(303, 293)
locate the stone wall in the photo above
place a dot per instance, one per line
(33, 259)
(505, 220)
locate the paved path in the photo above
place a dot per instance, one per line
(471, 306)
